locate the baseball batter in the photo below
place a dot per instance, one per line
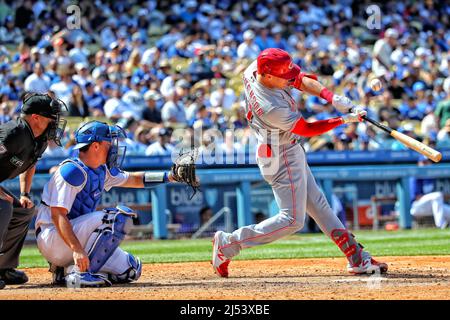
(71, 232)
(277, 125)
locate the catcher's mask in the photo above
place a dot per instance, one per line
(96, 131)
(50, 107)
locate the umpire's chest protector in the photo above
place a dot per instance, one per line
(89, 197)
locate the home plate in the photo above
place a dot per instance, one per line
(368, 279)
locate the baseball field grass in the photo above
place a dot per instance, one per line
(420, 242)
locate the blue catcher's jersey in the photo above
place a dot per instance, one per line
(77, 173)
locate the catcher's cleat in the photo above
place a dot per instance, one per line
(2, 284)
(86, 280)
(219, 261)
(13, 276)
(368, 265)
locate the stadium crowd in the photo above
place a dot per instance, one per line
(155, 66)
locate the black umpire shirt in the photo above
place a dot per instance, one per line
(19, 149)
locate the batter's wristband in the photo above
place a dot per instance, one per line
(327, 95)
(152, 178)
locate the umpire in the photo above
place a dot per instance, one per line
(22, 143)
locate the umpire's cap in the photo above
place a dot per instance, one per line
(278, 63)
(41, 104)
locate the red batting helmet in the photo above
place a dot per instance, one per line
(278, 63)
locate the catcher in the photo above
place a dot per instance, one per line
(78, 241)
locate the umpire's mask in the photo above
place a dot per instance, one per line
(47, 106)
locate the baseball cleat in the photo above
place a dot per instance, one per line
(219, 261)
(13, 276)
(86, 280)
(368, 265)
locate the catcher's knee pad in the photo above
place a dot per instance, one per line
(133, 273)
(116, 224)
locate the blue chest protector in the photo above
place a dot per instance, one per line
(88, 198)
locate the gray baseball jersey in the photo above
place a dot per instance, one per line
(272, 115)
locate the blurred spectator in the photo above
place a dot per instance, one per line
(133, 98)
(202, 119)
(238, 119)
(151, 116)
(82, 75)
(141, 139)
(222, 97)
(342, 142)
(94, 100)
(395, 87)
(264, 40)
(77, 104)
(409, 109)
(114, 106)
(63, 88)
(388, 112)
(443, 107)
(430, 123)
(24, 14)
(38, 81)
(10, 33)
(168, 82)
(248, 49)
(326, 68)
(5, 111)
(200, 68)
(162, 147)
(174, 109)
(443, 136)
(382, 50)
(79, 54)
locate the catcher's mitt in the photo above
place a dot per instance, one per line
(183, 170)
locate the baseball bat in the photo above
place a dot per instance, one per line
(411, 143)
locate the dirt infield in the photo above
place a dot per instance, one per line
(408, 278)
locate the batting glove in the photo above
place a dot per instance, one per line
(355, 116)
(342, 104)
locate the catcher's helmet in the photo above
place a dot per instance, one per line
(278, 63)
(96, 131)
